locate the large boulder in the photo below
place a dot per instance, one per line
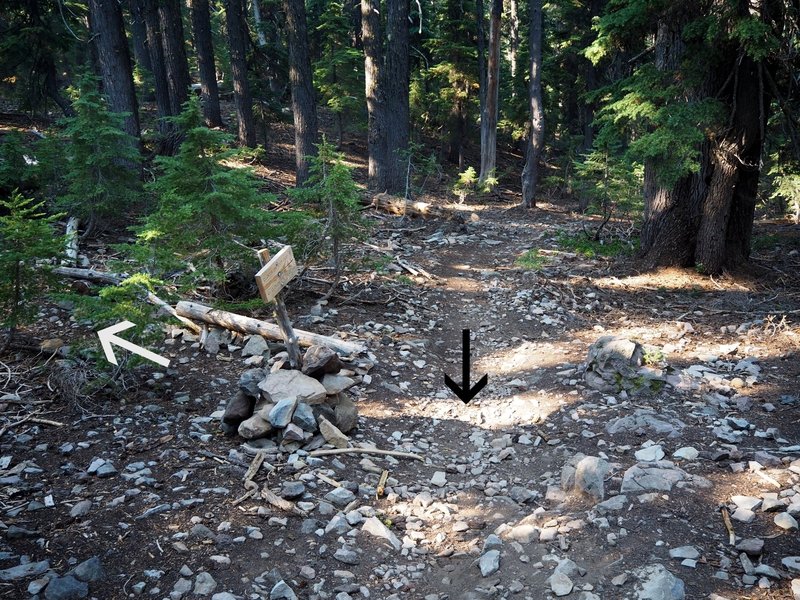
(611, 361)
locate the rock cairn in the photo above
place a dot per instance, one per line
(301, 408)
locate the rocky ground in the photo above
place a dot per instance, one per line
(661, 462)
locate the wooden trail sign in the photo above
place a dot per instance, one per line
(271, 279)
(275, 273)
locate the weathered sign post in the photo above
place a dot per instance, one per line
(275, 273)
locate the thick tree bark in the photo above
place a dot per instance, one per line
(304, 107)
(530, 174)
(139, 34)
(376, 128)
(175, 62)
(480, 15)
(204, 47)
(237, 47)
(396, 81)
(489, 116)
(108, 33)
(147, 10)
(705, 220)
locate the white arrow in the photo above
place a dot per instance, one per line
(108, 336)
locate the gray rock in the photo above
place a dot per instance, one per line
(204, 584)
(659, 584)
(292, 489)
(346, 414)
(684, 552)
(524, 533)
(304, 417)
(560, 584)
(319, 360)
(332, 434)
(282, 591)
(650, 454)
(785, 521)
(686, 453)
(590, 474)
(293, 433)
(340, 497)
(292, 385)
(489, 563)
(796, 589)
(31, 569)
(614, 503)
(281, 414)
(644, 419)
(792, 563)
(255, 427)
(376, 528)
(248, 382)
(439, 479)
(612, 360)
(66, 588)
(346, 556)
(255, 346)
(751, 546)
(640, 478)
(746, 502)
(80, 509)
(239, 408)
(224, 596)
(336, 384)
(521, 494)
(106, 470)
(89, 570)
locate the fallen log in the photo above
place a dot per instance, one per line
(400, 206)
(116, 279)
(248, 325)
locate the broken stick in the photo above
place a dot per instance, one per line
(366, 451)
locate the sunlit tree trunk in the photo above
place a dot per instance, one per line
(530, 174)
(489, 116)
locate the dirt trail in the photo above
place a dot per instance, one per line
(485, 516)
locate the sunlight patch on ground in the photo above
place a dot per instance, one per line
(671, 279)
(524, 358)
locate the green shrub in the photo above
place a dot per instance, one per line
(532, 260)
(98, 161)
(332, 197)
(27, 238)
(582, 244)
(209, 213)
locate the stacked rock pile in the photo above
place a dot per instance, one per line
(301, 408)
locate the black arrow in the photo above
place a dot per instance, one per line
(466, 393)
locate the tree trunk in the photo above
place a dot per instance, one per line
(396, 82)
(139, 35)
(489, 116)
(175, 62)
(513, 37)
(530, 174)
(304, 106)
(480, 15)
(148, 12)
(204, 47)
(237, 47)
(376, 127)
(108, 33)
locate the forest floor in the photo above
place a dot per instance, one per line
(484, 515)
